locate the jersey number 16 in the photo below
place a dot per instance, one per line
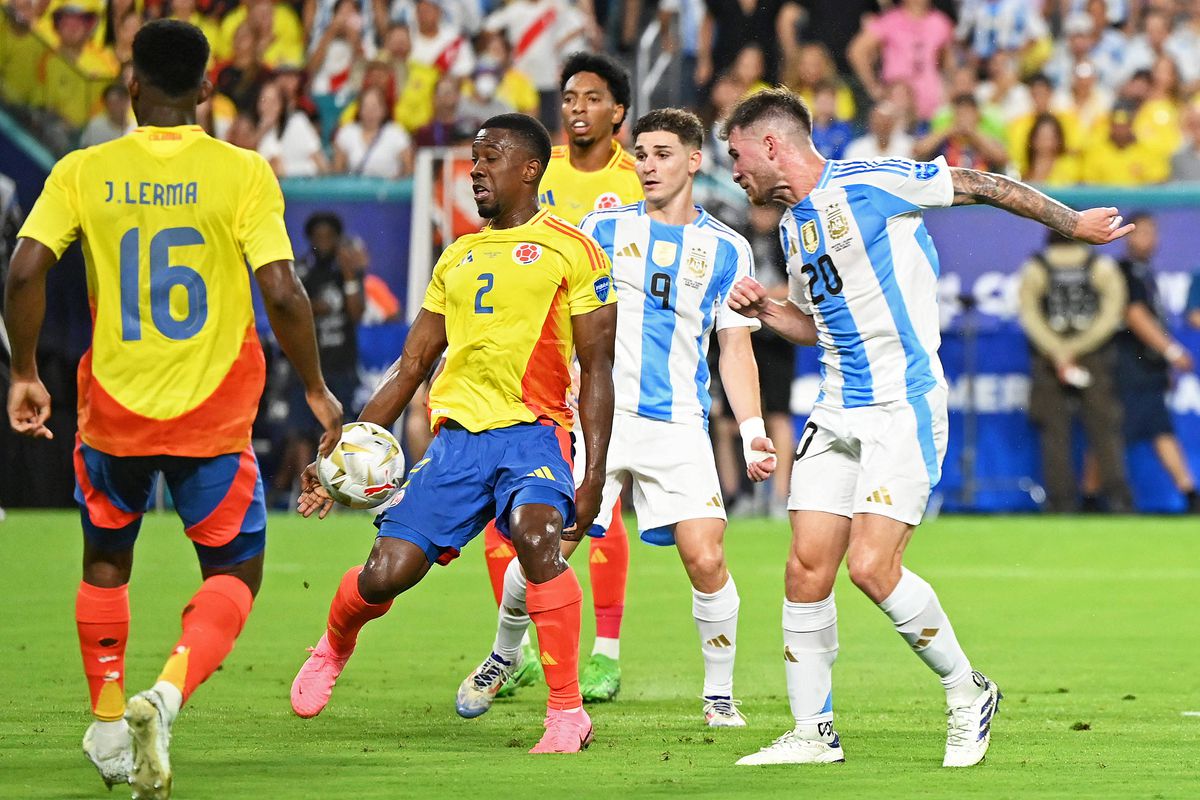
(164, 276)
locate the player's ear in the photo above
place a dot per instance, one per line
(533, 171)
(206, 91)
(695, 161)
(618, 114)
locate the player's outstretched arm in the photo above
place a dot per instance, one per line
(24, 310)
(1094, 225)
(595, 342)
(291, 319)
(424, 345)
(749, 298)
(739, 378)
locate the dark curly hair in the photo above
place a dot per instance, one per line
(609, 70)
(171, 55)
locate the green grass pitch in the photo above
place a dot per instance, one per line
(1089, 626)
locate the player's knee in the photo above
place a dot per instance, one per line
(808, 583)
(871, 572)
(706, 569)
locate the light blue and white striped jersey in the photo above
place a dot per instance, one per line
(672, 283)
(862, 264)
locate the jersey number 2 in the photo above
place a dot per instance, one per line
(488, 280)
(164, 276)
(828, 273)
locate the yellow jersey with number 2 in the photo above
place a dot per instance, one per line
(508, 296)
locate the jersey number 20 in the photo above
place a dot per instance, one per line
(829, 275)
(164, 276)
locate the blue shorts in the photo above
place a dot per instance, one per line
(467, 479)
(219, 500)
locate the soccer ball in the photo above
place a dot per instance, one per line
(365, 468)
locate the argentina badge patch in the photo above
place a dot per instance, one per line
(602, 286)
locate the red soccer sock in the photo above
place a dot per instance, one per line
(212, 621)
(349, 612)
(554, 608)
(102, 619)
(609, 567)
(498, 551)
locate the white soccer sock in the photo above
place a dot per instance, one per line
(607, 647)
(810, 646)
(716, 617)
(110, 736)
(918, 616)
(512, 621)
(173, 698)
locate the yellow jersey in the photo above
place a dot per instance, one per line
(169, 218)
(573, 194)
(508, 297)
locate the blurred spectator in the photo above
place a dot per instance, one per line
(187, 11)
(1116, 157)
(243, 77)
(1082, 43)
(813, 67)
(987, 26)
(884, 137)
(113, 122)
(835, 23)
(276, 28)
(124, 31)
(1046, 158)
(11, 218)
(900, 96)
(66, 71)
(397, 47)
(963, 142)
(480, 102)
(338, 44)
(438, 43)
(286, 139)
(540, 31)
(1041, 100)
(20, 52)
(1146, 354)
(1156, 122)
(1184, 44)
(724, 96)
(964, 79)
(216, 115)
(1071, 300)
(729, 26)
(447, 127)
(332, 273)
(243, 131)
(373, 145)
(681, 21)
(1149, 46)
(1085, 100)
(1003, 90)
(749, 70)
(1191, 313)
(515, 89)
(910, 43)
(829, 134)
(1185, 163)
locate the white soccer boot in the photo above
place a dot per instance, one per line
(791, 748)
(150, 715)
(969, 727)
(723, 712)
(111, 755)
(478, 691)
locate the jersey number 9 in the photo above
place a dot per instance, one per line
(164, 276)
(660, 287)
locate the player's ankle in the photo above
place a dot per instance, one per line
(963, 691)
(172, 697)
(610, 648)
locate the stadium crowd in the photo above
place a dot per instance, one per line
(1058, 92)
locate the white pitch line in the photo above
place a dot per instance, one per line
(1190, 713)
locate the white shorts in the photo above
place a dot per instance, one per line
(672, 469)
(882, 459)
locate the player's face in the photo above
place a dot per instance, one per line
(501, 172)
(664, 164)
(752, 169)
(589, 111)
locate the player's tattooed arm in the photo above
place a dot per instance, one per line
(595, 343)
(1095, 225)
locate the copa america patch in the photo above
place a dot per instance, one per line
(924, 171)
(602, 286)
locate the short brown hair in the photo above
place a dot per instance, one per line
(684, 124)
(779, 103)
